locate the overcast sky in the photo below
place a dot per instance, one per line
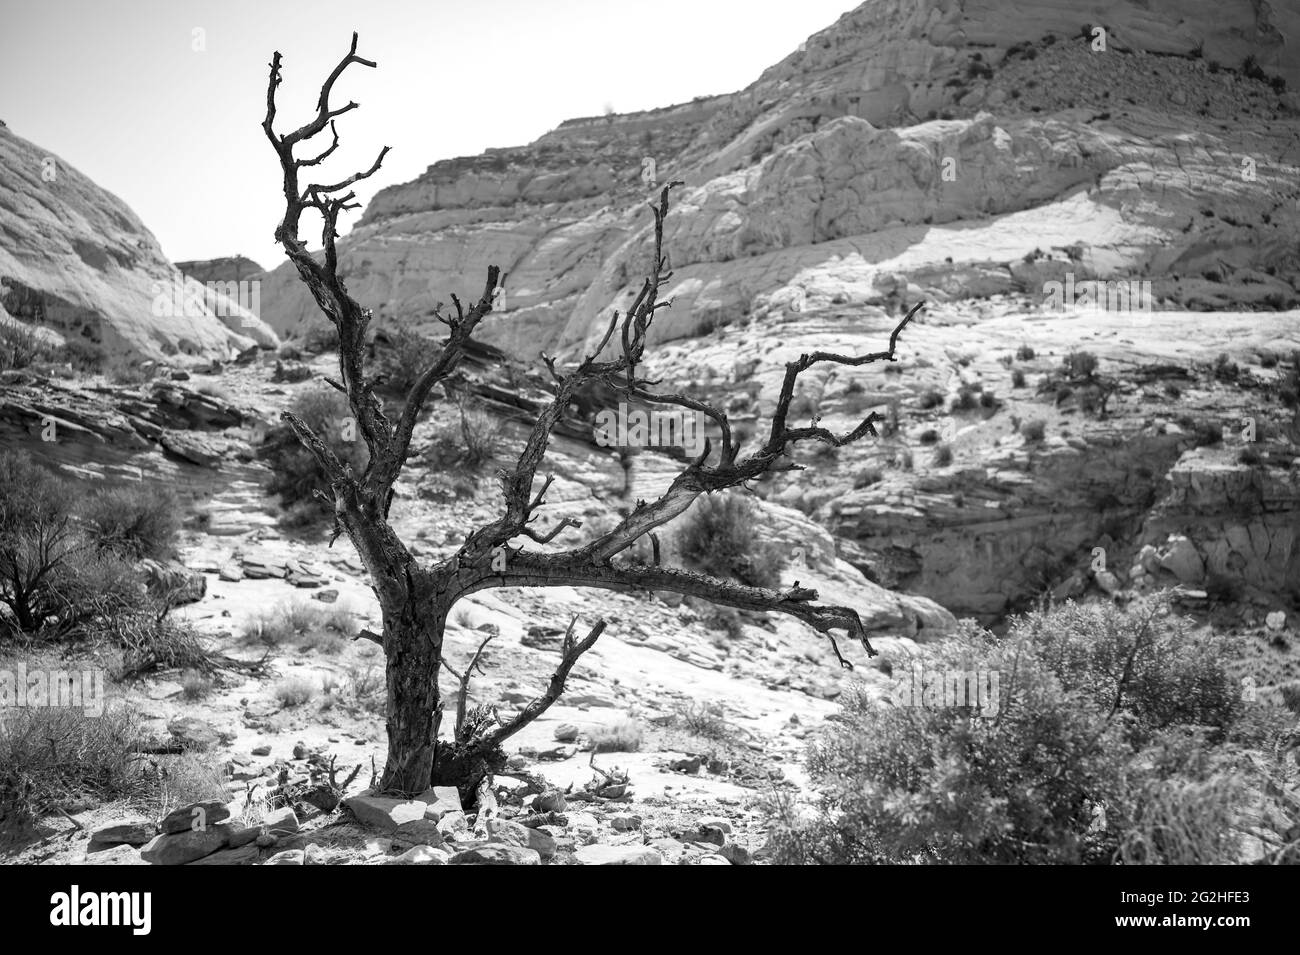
(168, 118)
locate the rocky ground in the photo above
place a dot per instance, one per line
(723, 717)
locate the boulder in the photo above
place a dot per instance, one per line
(566, 733)
(496, 854)
(281, 822)
(242, 855)
(174, 581)
(618, 855)
(288, 857)
(194, 733)
(511, 833)
(195, 817)
(1180, 557)
(440, 800)
(121, 854)
(452, 823)
(552, 800)
(135, 833)
(421, 832)
(182, 847)
(735, 854)
(384, 812)
(420, 855)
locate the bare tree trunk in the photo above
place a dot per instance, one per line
(413, 645)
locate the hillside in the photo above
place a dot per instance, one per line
(78, 262)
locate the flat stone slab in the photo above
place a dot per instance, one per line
(618, 855)
(383, 812)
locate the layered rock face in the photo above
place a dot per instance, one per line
(76, 260)
(899, 117)
(231, 268)
(968, 154)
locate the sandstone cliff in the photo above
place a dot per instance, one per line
(897, 118)
(76, 260)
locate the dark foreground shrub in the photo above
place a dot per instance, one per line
(50, 756)
(54, 578)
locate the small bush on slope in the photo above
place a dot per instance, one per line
(295, 475)
(139, 520)
(720, 537)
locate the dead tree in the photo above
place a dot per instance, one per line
(416, 598)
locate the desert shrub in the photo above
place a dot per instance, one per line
(867, 477)
(802, 405)
(53, 755)
(930, 399)
(366, 685)
(1024, 353)
(621, 736)
(124, 372)
(196, 685)
(320, 338)
(20, 347)
(186, 778)
(59, 577)
(726, 620)
(53, 579)
(1080, 364)
(819, 450)
(1182, 821)
(1250, 456)
(403, 358)
(1225, 369)
(84, 356)
(720, 537)
(139, 520)
(905, 784)
(1204, 433)
(968, 398)
(295, 475)
(1143, 662)
(152, 641)
(299, 623)
(1017, 379)
(466, 438)
(289, 352)
(929, 436)
(1101, 744)
(1034, 430)
(942, 456)
(1288, 388)
(294, 691)
(1250, 67)
(707, 720)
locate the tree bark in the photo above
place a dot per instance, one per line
(413, 647)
